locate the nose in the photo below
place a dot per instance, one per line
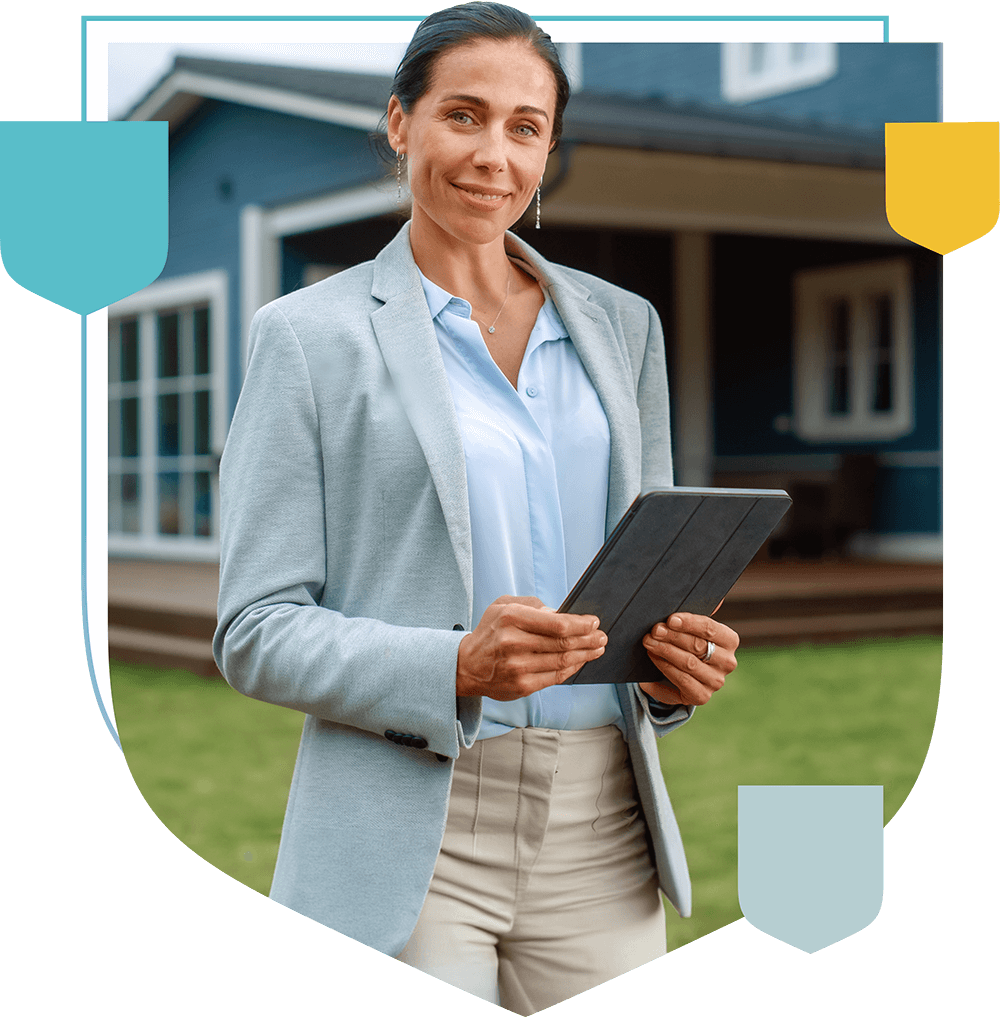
(491, 150)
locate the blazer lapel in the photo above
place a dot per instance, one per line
(409, 345)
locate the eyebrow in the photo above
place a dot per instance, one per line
(475, 100)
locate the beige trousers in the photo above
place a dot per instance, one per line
(544, 886)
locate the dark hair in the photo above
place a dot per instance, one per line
(466, 23)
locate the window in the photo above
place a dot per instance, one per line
(853, 352)
(166, 427)
(756, 70)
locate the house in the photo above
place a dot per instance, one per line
(738, 186)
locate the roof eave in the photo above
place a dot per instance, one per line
(181, 92)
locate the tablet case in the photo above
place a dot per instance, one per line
(676, 549)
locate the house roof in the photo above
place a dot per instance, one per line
(654, 123)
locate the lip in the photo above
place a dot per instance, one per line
(485, 198)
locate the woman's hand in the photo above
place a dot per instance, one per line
(521, 646)
(676, 648)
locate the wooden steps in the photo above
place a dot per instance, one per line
(778, 603)
(163, 613)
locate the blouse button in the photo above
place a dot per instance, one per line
(531, 391)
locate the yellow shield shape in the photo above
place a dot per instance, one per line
(942, 182)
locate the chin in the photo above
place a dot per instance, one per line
(476, 231)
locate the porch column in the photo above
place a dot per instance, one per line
(259, 267)
(691, 386)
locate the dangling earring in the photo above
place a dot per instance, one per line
(399, 177)
(538, 206)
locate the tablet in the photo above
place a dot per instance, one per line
(675, 549)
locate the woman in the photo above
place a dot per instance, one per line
(427, 451)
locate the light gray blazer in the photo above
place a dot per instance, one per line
(346, 571)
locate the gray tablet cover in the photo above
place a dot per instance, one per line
(676, 549)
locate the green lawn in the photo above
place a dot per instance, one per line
(215, 766)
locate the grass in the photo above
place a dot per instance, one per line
(215, 766)
(212, 764)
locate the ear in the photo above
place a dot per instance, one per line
(396, 123)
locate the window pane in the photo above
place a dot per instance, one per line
(202, 424)
(758, 56)
(130, 427)
(202, 504)
(130, 503)
(202, 358)
(169, 503)
(167, 331)
(129, 362)
(168, 414)
(114, 508)
(882, 341)
(840, 352)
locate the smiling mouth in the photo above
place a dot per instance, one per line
(481, 195)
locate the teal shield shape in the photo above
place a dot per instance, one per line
(83, 209)
(810, 861)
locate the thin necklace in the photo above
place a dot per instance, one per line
(493, 327)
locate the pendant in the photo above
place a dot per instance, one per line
(491, 330)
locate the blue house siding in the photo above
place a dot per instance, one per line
(662, 70)
(907, 500)
(875, 83)
(228, 156)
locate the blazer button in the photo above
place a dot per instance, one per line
(440, 758)
(411, 741)
(458, 628)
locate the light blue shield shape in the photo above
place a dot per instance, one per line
(83, 209)
(810, 861)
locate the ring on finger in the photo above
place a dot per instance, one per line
(707, 655)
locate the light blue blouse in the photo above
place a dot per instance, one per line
(536, 462)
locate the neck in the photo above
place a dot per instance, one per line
(477, 273)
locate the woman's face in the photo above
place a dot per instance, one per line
(477, 140)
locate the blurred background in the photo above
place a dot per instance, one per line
(737, 186)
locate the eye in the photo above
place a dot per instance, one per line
(526, 130)
(461, 117)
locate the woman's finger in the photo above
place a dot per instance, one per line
(705, 628)
(541, 620)
(712, 674)
(536, 671)
(690, 690)
(695, 645)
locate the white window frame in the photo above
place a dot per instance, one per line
(859, 284)
(210, 288)
(783, 67)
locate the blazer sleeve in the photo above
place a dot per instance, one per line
(274, 641)
(657, 471)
